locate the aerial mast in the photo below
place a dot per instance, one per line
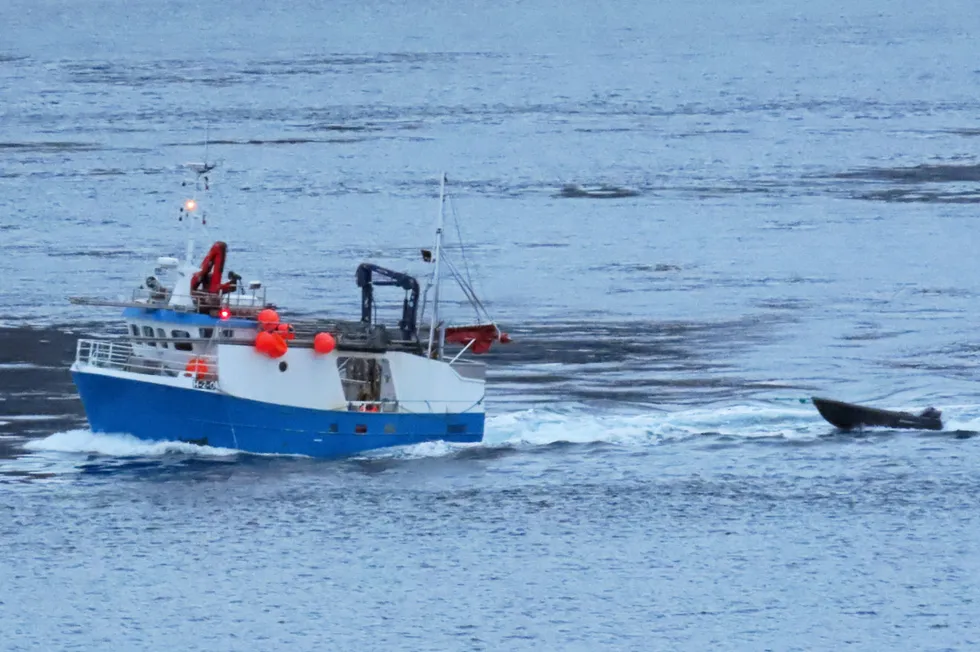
(434, 322)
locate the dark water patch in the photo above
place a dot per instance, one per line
(604, 130)
(964, 349)
(601, 191)
(924, 363)
(54, 146)
(463, 187)
(639, 268)
(544, 245)
(633, 362)
(872, 332)
(105, 172)
(793, 225)
(961, 293)
(312, 65)
(151, 73)
(916, 174)
(172, 467)
(10, 58)
(965, 132)
(73, 174)
(8, 476)
(784, 304)
(259, 141)
(97, 253)
(907, 196)
(724, 191)
(734, 493)
(711, 132)
(34, 380)
(333, 127)
(585, 342)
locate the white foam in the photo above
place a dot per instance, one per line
(540, 426)
(961, 417)
(35, 417)
(20, 365)
(543, 426)
(420, 451)
(86, 441)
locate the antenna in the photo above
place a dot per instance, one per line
(433, 324)
(190, 205)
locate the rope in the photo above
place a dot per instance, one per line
(405, 410)
(459, 234)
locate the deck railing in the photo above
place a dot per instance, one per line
(120, 355)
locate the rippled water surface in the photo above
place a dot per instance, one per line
(691, 216)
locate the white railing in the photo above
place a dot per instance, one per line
(414, 407)
(120, 355)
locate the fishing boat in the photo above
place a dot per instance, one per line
(848, 416)
(207, 359)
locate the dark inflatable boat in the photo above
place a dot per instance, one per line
(848, 416)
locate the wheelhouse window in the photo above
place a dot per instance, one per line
(162, 334)
(206, 333)
(228, 333)
(182, 335)
(148, 332)
(135, 330)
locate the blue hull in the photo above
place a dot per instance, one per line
(162, 413)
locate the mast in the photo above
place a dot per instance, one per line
(434, 322)
(200, 171)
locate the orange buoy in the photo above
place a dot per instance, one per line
(197, 367)
(262, 341)
(271, 344)
(286, 331)
(324, 343)
(268, 319)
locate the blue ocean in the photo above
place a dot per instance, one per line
(691, 217)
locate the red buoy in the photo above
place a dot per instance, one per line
(268, 319)
(271, 344)
(324, 343)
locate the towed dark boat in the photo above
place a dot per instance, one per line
(848, 416)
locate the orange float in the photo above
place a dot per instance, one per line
(268, 319)
(197, 367)
(271, 344)
(324, 343)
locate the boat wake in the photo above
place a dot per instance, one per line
(87, 442)
(506, 433)
(537, 427)
(542, 427)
